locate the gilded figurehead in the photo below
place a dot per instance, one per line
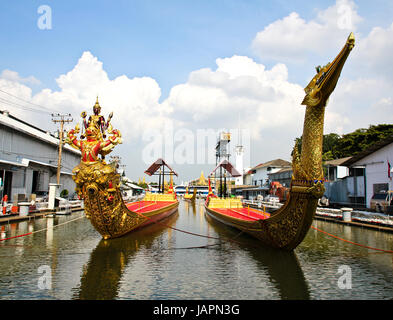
(97, 120)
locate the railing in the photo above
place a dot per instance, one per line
(273, 204)
(353, 215)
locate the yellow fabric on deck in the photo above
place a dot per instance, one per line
(225, 203)
(159, 197)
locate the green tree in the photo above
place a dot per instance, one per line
(348, 145)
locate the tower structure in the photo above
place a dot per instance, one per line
(222, 154)
(239, 153)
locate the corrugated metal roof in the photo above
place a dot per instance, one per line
(21, 126)
(273, 163)
(336, 162)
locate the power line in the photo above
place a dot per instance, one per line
(34, 104)
(16, 105)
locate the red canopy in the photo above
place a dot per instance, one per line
(228, 167)
(156, 165)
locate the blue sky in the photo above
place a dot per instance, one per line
(162, 39)
(209, 54)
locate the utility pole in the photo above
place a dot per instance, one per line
(60, 118)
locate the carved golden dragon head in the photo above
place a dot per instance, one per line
(324, 82)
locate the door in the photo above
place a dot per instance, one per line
(34, 187)
(6, 178)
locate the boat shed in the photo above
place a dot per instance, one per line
(28, 159)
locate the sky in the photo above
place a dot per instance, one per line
(176, 73)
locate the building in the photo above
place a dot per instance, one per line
(283, 176)
(247, 176)
(249, 192)
(260, 173)
(341, 188)
(201, 181)
(28, 159)
(371, 171)
(335, 170)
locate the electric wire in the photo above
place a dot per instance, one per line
(34, 104)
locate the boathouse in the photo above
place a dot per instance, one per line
(28, 159)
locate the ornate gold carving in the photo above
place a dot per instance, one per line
(287, 227)
(97, 182)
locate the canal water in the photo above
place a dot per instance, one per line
(65, 258)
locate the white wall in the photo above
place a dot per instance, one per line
(262, 174)
(377, 169)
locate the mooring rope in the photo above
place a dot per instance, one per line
(192, 233)
(27, 234)
(351, 242)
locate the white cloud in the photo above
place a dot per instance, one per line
(134, 102)
(265, 100)
(14, 76)
(373, 55)
(292, 38)
(363, 93)
(239, 86)
(267, 104)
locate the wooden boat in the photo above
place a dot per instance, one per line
(190, 197)
(98, 183)
(287, 227)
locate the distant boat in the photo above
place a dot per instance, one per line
(190, 197)
(202, 191)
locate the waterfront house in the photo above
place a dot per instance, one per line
(283, 176)
(260, 173)
(344, 186)
(373, 166)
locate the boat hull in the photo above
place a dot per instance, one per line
(243, 225)
(286, 227)
(158, 215)
(114, 219)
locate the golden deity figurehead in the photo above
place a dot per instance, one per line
(97, 120)
(97, 108)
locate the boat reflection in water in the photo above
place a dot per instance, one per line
(288, 285)
(101, 278)
(190, 206)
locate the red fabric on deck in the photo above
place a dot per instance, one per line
(243, 213)
(147, 206)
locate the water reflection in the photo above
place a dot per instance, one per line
(100, 280)
(190, 206)
(161, 263)
(284, 272)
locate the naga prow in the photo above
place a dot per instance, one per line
(286, 227)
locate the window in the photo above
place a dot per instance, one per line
(379, 187)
